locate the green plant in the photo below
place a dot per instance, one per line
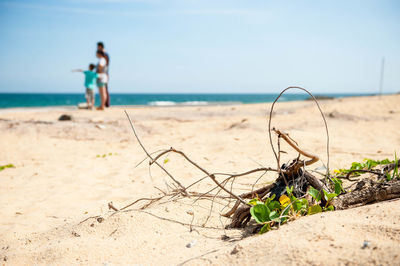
(272, 212)
(2, 167)
(396, 168)
(366, 164)
(105, 155)
(337, 185)
(328, 198)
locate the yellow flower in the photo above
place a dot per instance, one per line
(284, 200)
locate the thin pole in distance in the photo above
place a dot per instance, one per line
(381, 80)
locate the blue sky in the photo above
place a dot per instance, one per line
(201, 46)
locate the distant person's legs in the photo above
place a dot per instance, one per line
(87, 98)
(108, 97)
(90, 98)
(103, 95)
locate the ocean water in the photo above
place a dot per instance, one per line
(12, 100)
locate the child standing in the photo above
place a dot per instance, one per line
(90, 84)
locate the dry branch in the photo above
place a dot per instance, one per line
(286, 137)
(292, 174)
(368, 192)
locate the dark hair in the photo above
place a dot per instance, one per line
(91, 66)
(100, 52)
(101, 44)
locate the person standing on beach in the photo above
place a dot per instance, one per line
(100, 47)
(90, 84)
(102, 78)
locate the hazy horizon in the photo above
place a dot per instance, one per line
(182, 46)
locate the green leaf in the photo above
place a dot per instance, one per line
(297, 205)
(289, 190)
(267, 201)
(260, 213)
(274, 216)
(314, 209)
(396, 167)
(255, 202)
(338, 188)
(388, 177)
(330, 208)
(371, 163)
(272, 197)
(329, 196)
(6, 166)
(166, 160)
(387, 161)
(292, 198)
(315, 194)
(356, 166)
(274, 205)
(265, 228)
(304, 203)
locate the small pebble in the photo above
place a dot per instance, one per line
(65, 117)
(236, 249)
(191, 244)
(366, 244)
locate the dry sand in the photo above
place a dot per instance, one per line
(61, 178)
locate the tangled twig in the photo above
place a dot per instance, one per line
(290, 174)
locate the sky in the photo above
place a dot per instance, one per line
(202, 46)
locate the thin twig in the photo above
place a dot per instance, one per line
(323, 117)
(313, 158)
(149, 155)
(198, 257)
(212, 176)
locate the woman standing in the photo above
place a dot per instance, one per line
(102, 78)
(100, 46)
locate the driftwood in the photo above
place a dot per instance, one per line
(293, 174)
(367, 192)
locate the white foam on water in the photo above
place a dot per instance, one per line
(171, 103)
(162, 103)
(195, 103)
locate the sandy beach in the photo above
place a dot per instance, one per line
(54, 203)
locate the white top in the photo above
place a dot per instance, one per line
(102, 76)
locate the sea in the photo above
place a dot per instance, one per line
(17, 100)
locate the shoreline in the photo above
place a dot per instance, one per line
(198, 100)
(175, 104)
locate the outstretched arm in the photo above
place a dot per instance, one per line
(77, 70)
